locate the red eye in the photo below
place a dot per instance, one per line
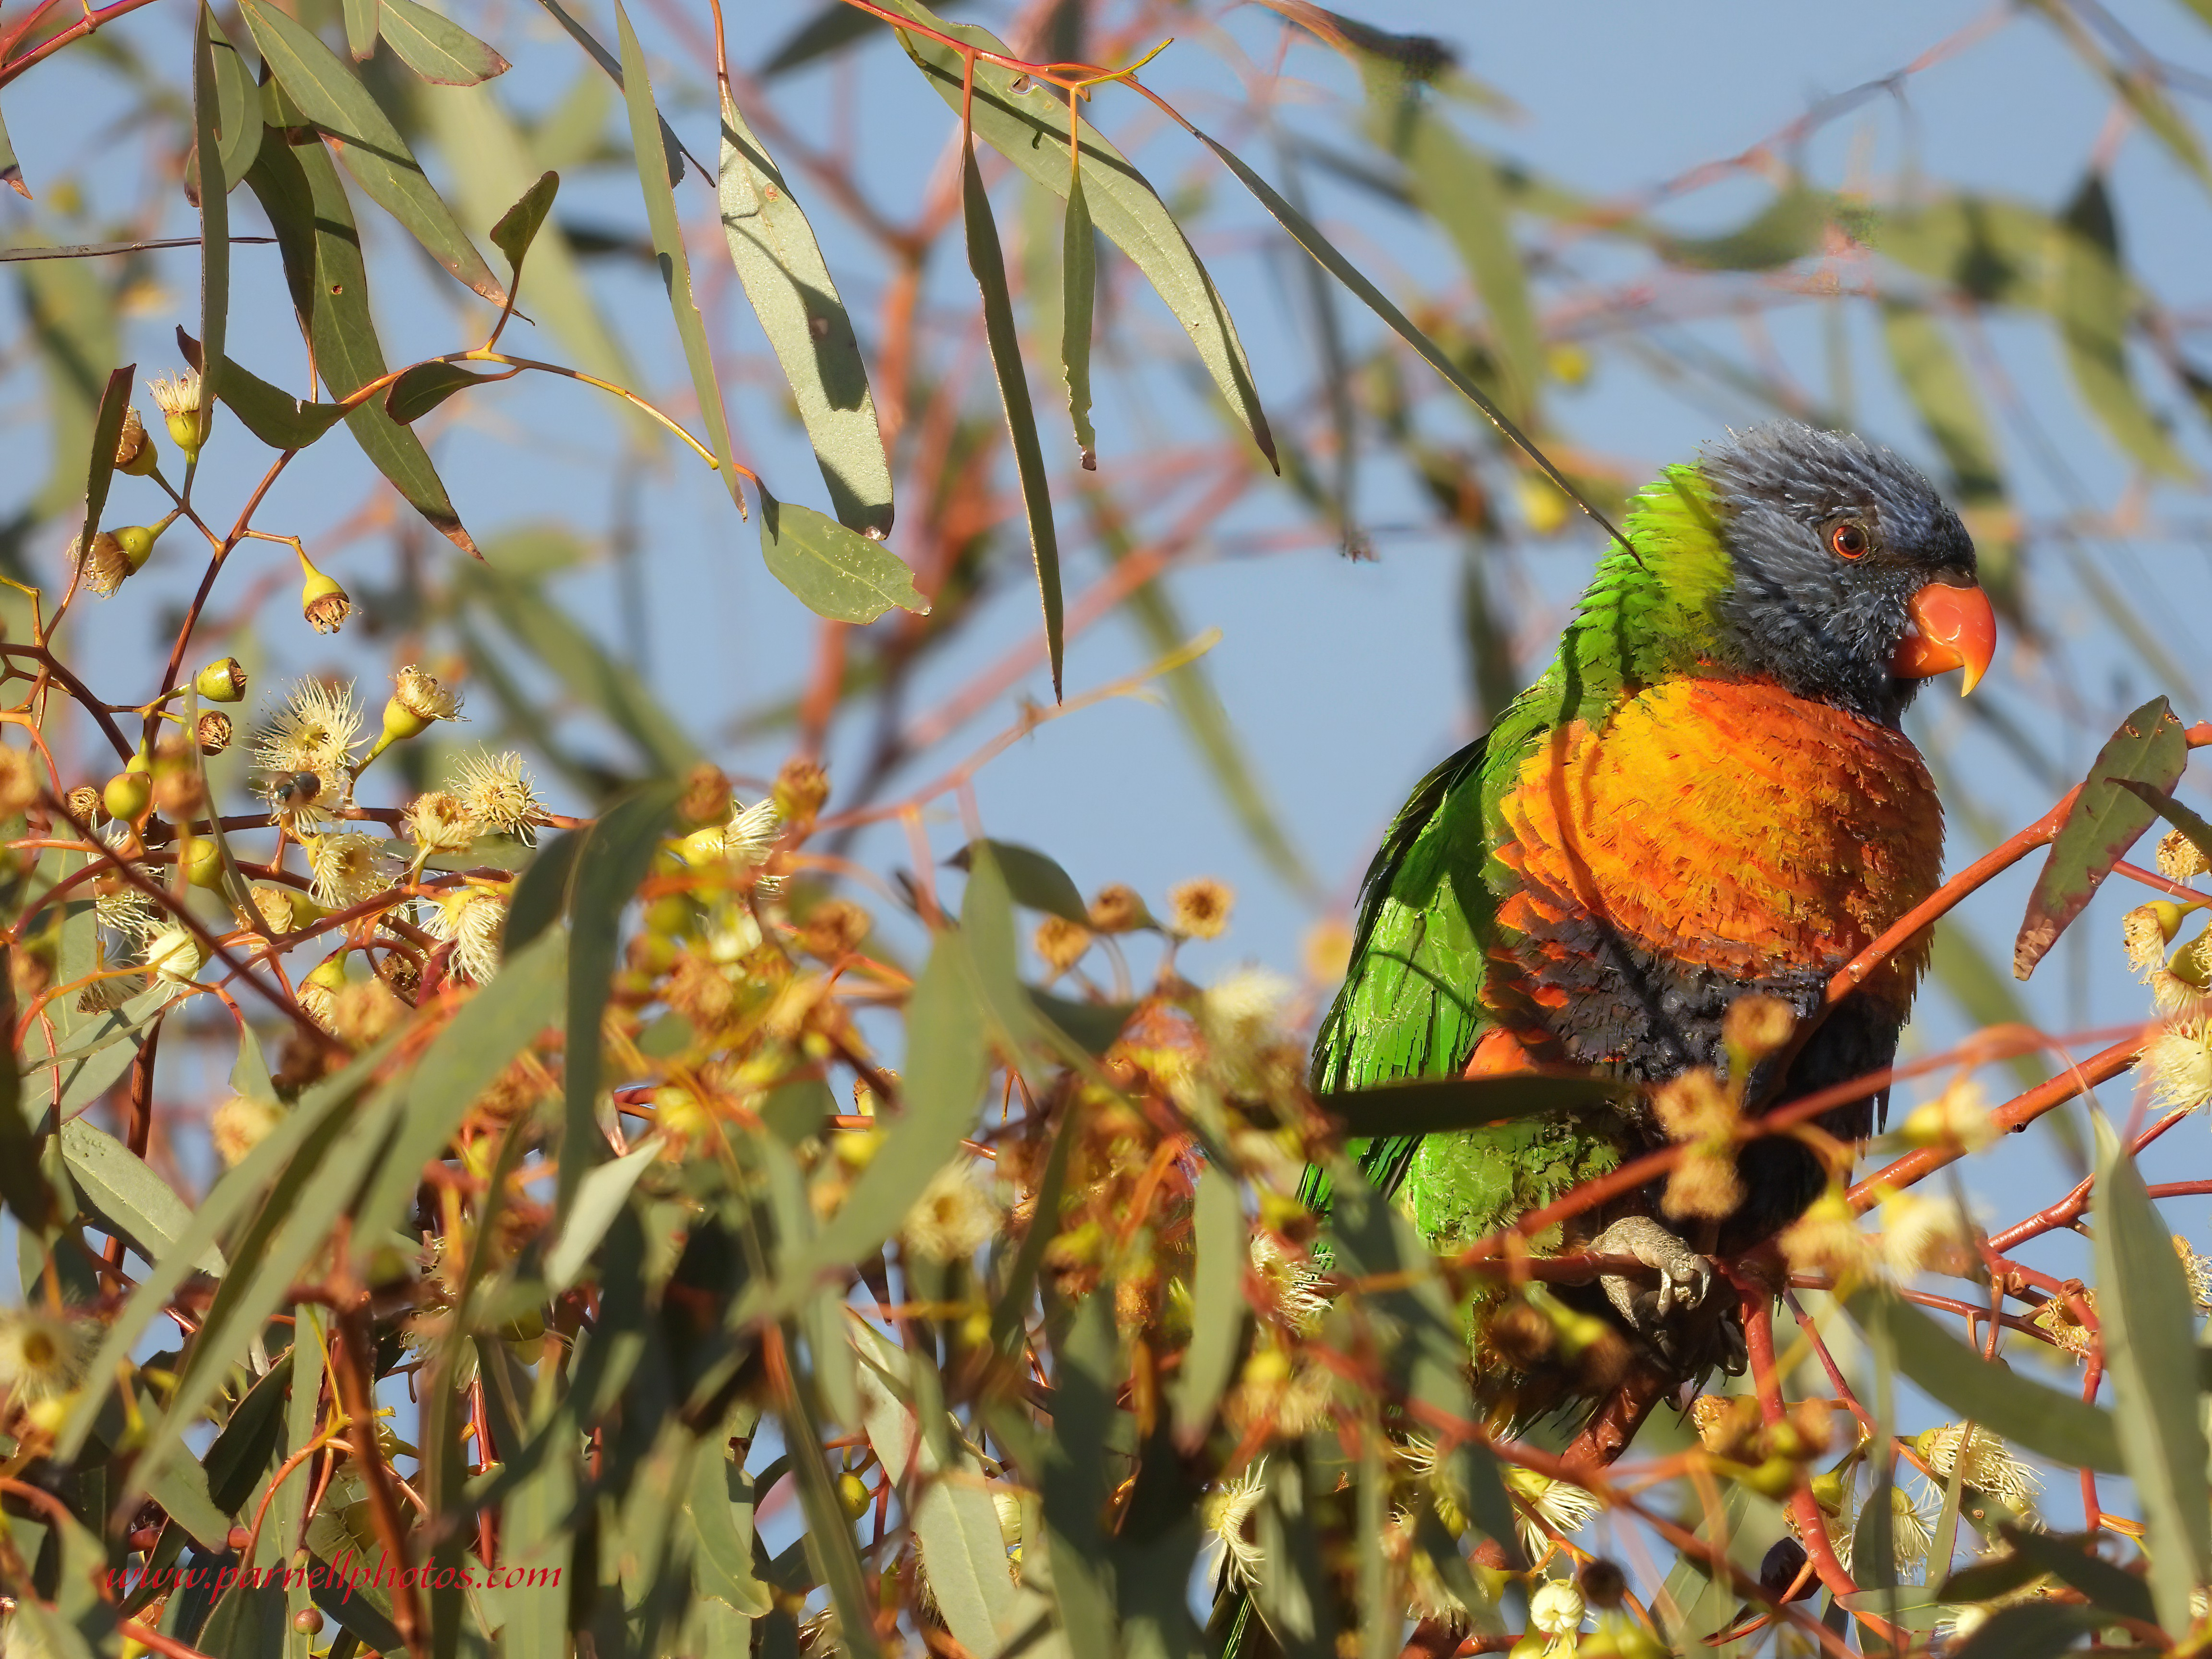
(1849, 540)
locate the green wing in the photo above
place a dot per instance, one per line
(1412, 1002)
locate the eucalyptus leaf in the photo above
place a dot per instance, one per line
(330, 94)
(436, 47)
(835, 572)
(791, 293)
(2149, 1323)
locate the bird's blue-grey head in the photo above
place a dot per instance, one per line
(1832, 541)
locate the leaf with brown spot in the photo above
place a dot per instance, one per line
(2106, 820)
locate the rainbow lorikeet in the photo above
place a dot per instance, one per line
(1706, 795)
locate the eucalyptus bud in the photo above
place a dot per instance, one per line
(129, 792)
(201, 860)
(178, 397)
(134, 451)
(220, 682)
(322, 601)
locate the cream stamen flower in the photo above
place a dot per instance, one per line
(43, 1356)
(347, 868)
(1562, 1508)
(475, 919)
(240, 1125)
(2179, 1065)
(176, 394)
(1921, 1233)
(1227, 1509)
(1557, 1609)
(314, 734)
(748, 840)
(954, 1215)
(176, 954)
(496, 791)
(1298, 1304)
(417, 700)
(1987, 1464)
(105, 568)
(439, 823)
(1062, 943)
(2180, 858)
(1910, 1536)
(1200, 908)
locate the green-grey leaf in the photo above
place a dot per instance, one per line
(2059, 1426)
(1031, 878)
(11, 170)
(2093, 306)
(214, 213)
(275, 416)
(1457, 185)
(656, 179)
(421, 389)
(362, 19)
(1091, 1026)
(2194, 828)
(492, 1027)
(436, 48)
(333, 97)
(1218, 1305)
(835, 572)
(2106, 820)
(789, 287)
(106, 433)
(2031, 1630)
(238, 106)
(945, 1066)
(616, 853)
(598, 1196)
(518, 226)
(1941, 391)
(1030, 129)
(1991, 248)
(964, 1553)
(989, 265)
(299, 188)
(240, 1453)
(1079, 256)
(239, 1188)
(127, 1197)
(719, 1505)
(1785, 229)
(2149, 1324)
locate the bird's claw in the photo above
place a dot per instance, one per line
(1684, 1276)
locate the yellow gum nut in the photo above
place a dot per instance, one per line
(1776, 1478)
(128, 794)
(701, 846)
(220, 682)
(202, 861)
(136, 542)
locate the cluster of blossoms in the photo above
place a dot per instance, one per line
(2179, 1060)
(363, 880)
(112, 558)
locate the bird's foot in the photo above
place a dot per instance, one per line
(1684, 1275)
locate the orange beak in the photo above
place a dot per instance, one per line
(1951, 628)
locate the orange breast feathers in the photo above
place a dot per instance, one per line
(1728, 825)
